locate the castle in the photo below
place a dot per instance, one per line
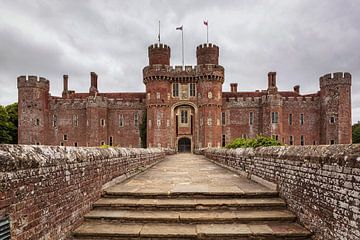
(184, 109)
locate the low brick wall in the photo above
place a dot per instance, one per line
(45, 190)
(321, 184)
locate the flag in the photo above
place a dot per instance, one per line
(205, 23)
(180, 28)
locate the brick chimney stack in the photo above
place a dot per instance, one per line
(233, 87)
(93, 87)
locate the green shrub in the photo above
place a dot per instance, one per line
(259, 141)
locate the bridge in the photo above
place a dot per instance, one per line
(303, 192)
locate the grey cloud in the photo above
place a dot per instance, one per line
(300, 39)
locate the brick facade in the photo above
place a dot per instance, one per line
(319, 183)
(184, 103)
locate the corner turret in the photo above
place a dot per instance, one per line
(159, 54)
(207, 53)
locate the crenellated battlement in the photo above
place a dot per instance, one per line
(206, 46)
(158, 46)
(191, 73)
(207, 53)
(338, 78)
(33, 81)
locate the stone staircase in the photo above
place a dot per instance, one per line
(190, 216)
(128, 211)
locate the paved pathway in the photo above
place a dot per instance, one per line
(189, 173)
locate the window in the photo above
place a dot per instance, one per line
(61, 144)
(102, 143)
(110, 141)
(290, 119)
(291, 140)
(192, 90)
(223, 140)
(332, 142)
(274, 117)
(65, 137)
(251, 118)
(314, 143)
(301, 119)
(75, 144)
(75, 120)
(102, 122)
(175, 90)
(332, 119)
(223, 118)
(37, 143)
(136, 119)
(184, 116)
(121, 120)
(302, 140)
(54, 120)
(37, 122)
(157, 95)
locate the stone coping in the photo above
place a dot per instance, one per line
(347, 155)
(21, 157)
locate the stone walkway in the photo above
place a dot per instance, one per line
(189, 173)
(188, 197)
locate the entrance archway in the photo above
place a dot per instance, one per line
(184, 145)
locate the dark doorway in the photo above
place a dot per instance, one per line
(184, 145)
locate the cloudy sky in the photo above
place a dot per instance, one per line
(300, 39)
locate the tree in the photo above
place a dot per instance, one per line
(8, 123)
(356, 133)
(12, 111)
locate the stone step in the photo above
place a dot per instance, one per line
(188, 204)
(186, 194)
(112, 230)
(194, 216)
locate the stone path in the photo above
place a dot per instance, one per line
(188, 197)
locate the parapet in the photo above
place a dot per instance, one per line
(33, 81)
(338, 78)
(159, 54)
(207, 53)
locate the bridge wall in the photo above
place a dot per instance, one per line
(321, 184)
(46, 190)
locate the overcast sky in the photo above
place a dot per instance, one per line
(299, 39)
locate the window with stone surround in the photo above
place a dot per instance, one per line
(302, 140)
(102, 122)
(54, 120)
(290, 119)
(192, 89)
(274, 117)
(301, 119)
(291, 140)
(111, 141)
(75, 120)
(136, 119)
(251, 118)
(37, 122)
(65, 137)
(223, 118)
(175, 89)
(121, 120)
(184, 116)
(223, 141)
(332, 119)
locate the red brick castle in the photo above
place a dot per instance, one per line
(184, 109)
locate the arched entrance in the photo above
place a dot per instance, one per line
(184, 145)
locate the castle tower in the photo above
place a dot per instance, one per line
(211, 78)
(159, 54)
(33, 93)
(335, 93)
(156, 77)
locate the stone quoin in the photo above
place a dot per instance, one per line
(185, 108)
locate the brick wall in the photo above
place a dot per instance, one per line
(321, 184)
(46, 190)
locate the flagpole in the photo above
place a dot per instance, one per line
(182, 44)
(159, 32)
(207, 32)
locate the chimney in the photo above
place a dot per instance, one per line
(65, 79)
(93, 87)
(272, 89)
(297, 89)
(233, 87)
